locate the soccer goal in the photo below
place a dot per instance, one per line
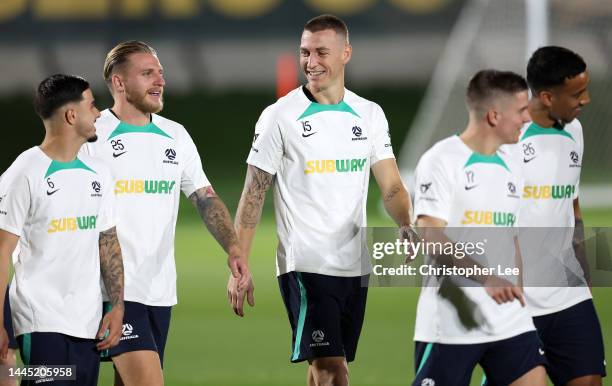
(502, 34)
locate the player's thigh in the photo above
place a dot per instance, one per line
(573, 343)
(137, 333)
(9, 361)
(139, 368)
(508, 360)
(54, 349)
(534, 377)
(315, 313)
(353, 314)
(159, 319)
(445, 364)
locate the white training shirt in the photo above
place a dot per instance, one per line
(58, 210)
(321, 156)
(150, 164)
(551, 160)
(467, 190)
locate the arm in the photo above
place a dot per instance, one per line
(257, 182)
(8, 243)
(218, 221)
(578, 242)
(501, 290)
(111, 270)
(395, 196)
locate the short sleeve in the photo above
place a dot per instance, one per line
(267, 149)
(107, 214)
(192, 177)
(15, 198)
(381, 145)
(432, 195)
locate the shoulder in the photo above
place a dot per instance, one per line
(28, 163)
(106, 124)
(363, 107)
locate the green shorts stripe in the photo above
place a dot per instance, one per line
(301, 318)
(425, 356)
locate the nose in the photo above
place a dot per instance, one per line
(160, 81)
(586, 99)
(312, 61)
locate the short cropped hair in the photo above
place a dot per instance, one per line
(324, 22)
(119, 55)
(487, 84)
(56, 91)
(550, 66)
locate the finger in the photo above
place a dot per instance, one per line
(251, 297)
(4, 349)
(240, 302)
(235, 296)
(103, 327)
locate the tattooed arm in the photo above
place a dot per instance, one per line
(395, 196)
(256, 184)
(217, 219)
(111, 269)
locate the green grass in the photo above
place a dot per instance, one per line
(208, 345)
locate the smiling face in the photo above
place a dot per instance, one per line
(323, 55)
(86, 115)
(512, 114)
(566, 101)
(143, 82)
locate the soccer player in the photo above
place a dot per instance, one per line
(317, 145)
(464, 181)
(152, 159)
(59, 208)
(550, 153)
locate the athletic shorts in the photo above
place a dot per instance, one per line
(573, 342)
(325, 312)
(144, 328)
(52, 348)
(503, 361)
(8, 322)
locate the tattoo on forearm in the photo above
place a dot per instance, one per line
(251, 203)
(215, 215)
(111, 266)
(394, 191)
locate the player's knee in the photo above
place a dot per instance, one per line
(330, 371)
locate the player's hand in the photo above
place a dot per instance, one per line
(110, 328)
(236, 294)
(238, 266)
(4, 340)
(502, 291)
(408, 233)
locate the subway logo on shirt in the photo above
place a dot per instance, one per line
(144, 186)
(487, 217)
(72, 224)
(335, 166)
(545, 192)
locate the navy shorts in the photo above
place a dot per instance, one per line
(503, 361)
(51, 348)
(573, 342)
(325, 312)
(8, 322)
(144, 328)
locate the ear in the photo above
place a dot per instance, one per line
(546, 98)
(117, 83)
(348, 52)
(492, 117)
(70, 115)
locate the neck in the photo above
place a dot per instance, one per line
(328, 96)
(540, 114)
(62, 148)
(480, 139)
(128, 113)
